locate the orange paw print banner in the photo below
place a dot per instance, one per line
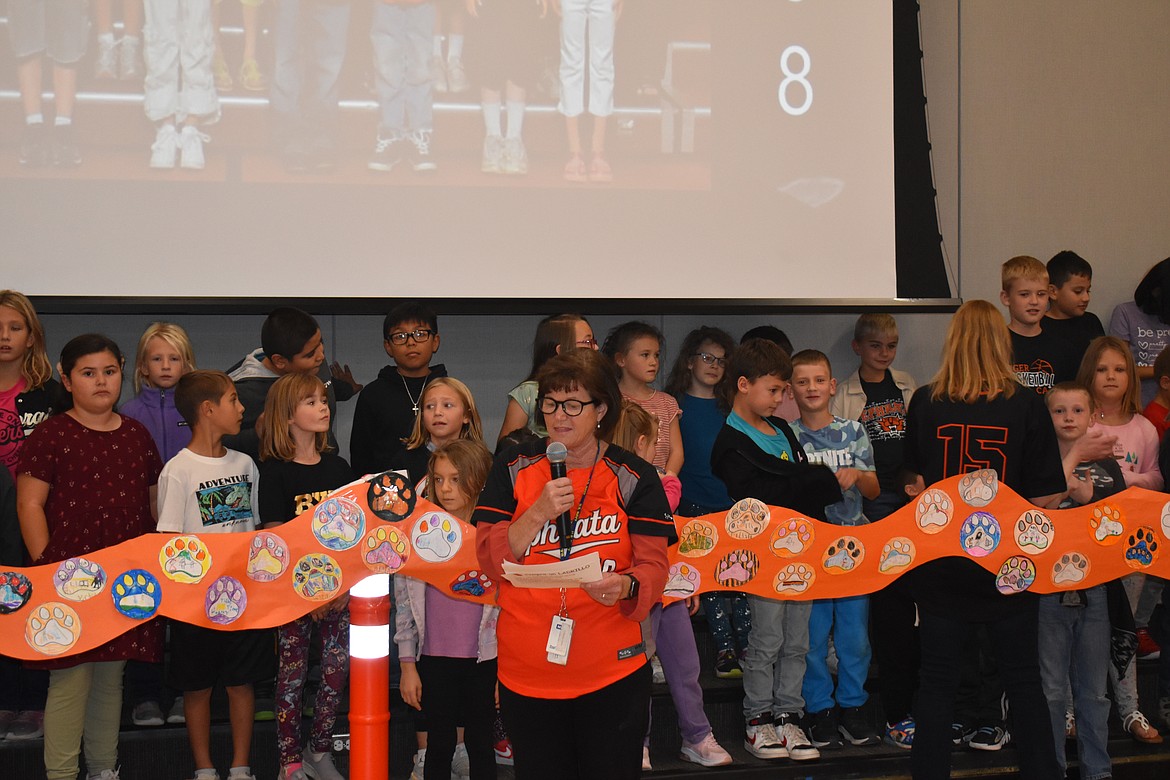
(242, 580)
(774, 552)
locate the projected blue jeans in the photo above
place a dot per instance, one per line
(401, 36)
(309, 43)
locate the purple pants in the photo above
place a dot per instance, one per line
(293, 642)
(675, 638)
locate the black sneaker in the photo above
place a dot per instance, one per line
(989, 738)
(855, 728)
(822, 729)
(727, 665)
(960, 734)
(420, 154)
(66, 154)
(34, 146)
(387, 153)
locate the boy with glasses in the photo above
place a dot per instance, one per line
(387, 407)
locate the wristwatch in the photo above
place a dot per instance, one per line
(634, 587)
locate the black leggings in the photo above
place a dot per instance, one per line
(459, 691)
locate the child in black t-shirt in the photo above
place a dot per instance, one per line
(297, 473)
(1070, 280)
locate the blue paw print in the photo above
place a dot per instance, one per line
(1141, 548)
(473, 583)
(137, 594)
(979, 534)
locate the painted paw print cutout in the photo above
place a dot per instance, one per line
(268, 557)
(386, 550)
(897, 555)
(79, 579)
(473, 582)
(15, 591)
(317, 577)
(738, 567)
(338, 523)
(436, 537)
(136, 594)
(843, 555)
(979, 535)
(1070, 570)
(747, 519)
(1106, 524)
(682, 580)
(225, 601)
(698, 538)
(1034, 531)
(933, 511)
(390, 496)
(52, 629)
(1166, 520)
(792, 537)
(1016, 575)
(795, 578)
(1141, 548)
(978, 488)
(184, 559)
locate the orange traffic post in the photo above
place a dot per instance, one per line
(369, 679)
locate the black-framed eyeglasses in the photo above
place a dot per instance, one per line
(572, 406)
(420, 336)
(710, 359)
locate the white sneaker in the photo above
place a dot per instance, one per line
(105, 774)
(419, 762)
(515, 157)
(191, 148)
(130, 58)
(460, 763)
(106, 66)
(165, 149)
(761, 740)
(706, 752)
(147, 713)
(493, 155)
(177, 714)
(794, 740)
(456, 76)
(657, 675)
(438, 75)
(321, 768)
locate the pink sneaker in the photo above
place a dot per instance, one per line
(706, 752)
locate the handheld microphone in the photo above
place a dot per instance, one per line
(557, 453)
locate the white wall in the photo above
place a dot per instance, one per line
(1047, 120)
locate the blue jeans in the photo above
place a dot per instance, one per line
(1074, 646)
(848, 620)
(775, 662)
(401, 35)
(309, 39)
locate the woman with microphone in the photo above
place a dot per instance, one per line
(574, 677)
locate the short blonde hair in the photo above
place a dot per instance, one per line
(873, 324)
(470, 430)
(976, 358)
(276, 439)
(175, 337)
(36, 369)
(1022, 267)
